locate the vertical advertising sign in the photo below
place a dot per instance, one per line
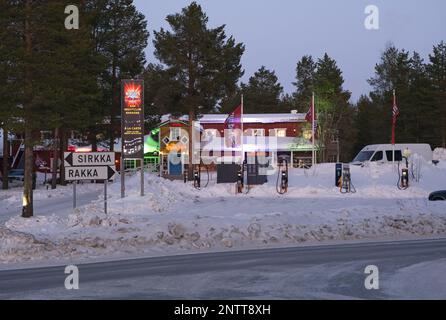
(132, 119)
(132, 126)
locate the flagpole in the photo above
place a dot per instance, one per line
(393, 127)
(243, 142)
(312, 131)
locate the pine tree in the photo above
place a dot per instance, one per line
(162, 93)
(305, 72)
(412, 81)
(422, 123)
(120, 36)
(262, 93)
(54, 75)
(8, 97)
(437, 74)
(73, 71)
(287, 103)
(203, 63)
(364, 121)
(332, 104)
(392, 73)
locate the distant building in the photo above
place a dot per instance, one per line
(290, 131)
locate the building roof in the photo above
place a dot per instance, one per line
(256, 118)
(168, 117)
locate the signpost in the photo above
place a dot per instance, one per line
(89, 173)
(132, 127)
(81, 166)
(89, 159)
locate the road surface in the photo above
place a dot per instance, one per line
(407, 269)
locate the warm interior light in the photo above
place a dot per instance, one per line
(24, 201)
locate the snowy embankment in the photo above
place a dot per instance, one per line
(176, 218)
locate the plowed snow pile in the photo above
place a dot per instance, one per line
(173, 217)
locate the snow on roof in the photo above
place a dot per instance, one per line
(168, 117)
(256, 118)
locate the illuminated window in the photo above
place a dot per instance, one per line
(174, 134)
(281, 133)
(307, 134)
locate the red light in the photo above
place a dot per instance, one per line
(132, 95)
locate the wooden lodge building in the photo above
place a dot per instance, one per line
(291, 132)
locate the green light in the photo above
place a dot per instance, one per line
(150, 145)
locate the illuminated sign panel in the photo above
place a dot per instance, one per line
(133, 119)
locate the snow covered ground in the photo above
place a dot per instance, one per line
(176, 218)
(439, 154)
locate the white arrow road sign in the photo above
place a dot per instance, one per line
(73, 159)
(89, 173)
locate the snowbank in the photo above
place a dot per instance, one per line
(174, 217)
(440, 154)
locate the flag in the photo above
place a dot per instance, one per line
(234, 120)
(233, 128)
(395, 114)
(309, 118)
(395, 110)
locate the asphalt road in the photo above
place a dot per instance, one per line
(407, 269)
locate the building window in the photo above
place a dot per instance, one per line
(280, 133)
(307, 134)
(258, 132)
(175, 134)
(210, 134)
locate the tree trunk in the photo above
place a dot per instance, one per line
(63, 146)
(5, 159)
(55, 159)
(27, 209)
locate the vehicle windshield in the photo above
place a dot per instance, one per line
(364, 156)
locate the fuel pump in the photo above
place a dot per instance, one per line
(240, 180)
(282, 173)
(185, 174)
(197, 178)
(240, 186)
(403, 175)
(345, 184)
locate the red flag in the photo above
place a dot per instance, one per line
(395, 110)
(395, 114)
(233, 122)
(309, 117)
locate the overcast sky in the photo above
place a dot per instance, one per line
(277, 33)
